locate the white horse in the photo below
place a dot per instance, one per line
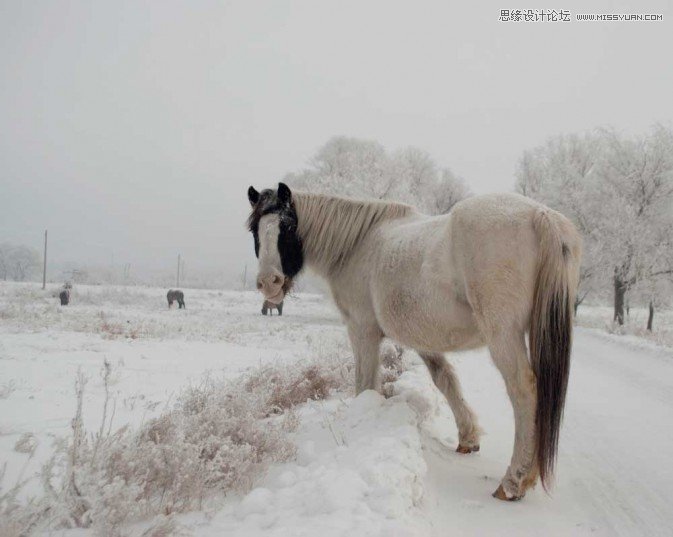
(494, 268)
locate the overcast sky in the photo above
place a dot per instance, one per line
(134, 129)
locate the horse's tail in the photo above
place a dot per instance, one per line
(551, 330)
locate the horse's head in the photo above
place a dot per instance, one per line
(273, 224)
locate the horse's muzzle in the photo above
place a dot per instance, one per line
(277, 298)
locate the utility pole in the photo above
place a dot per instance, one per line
(178, 278)
(44, 267)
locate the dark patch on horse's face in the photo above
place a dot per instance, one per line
(278, 202)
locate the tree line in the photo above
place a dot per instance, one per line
(619, 192)
(18, 262)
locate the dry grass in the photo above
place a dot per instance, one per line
(218, 438)
(27, 443)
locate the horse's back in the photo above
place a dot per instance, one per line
(495, 251)
(479, 261)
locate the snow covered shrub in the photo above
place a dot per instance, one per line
(18, 520)
(393, 364)
(219, 436)
(284, 391)
(27, 443)
(110, 329)
(213, 441)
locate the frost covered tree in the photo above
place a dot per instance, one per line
(619, 193)
(413, 174)
(347, 167)
(446, 192)
(636, 209)
(561, 174)
(18, 262)
(655, 294)
(362, 168)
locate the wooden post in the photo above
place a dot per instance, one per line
(178, 278)
(44, 266)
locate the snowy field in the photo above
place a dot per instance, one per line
(363, 466)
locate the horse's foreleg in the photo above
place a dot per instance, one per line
(365, 342)
(510, 357)
(446, 380)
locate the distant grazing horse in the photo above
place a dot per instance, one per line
(64, 295)
(174, 294)
(494, 268)
(270, 306)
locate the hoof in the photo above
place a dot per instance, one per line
(500, 494)
(467, 449)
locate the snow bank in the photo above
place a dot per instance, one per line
(359, 471)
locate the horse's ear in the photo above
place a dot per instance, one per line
(284, 193)
(253, 196)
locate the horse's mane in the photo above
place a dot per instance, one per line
(331, 227)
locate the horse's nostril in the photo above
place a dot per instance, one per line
(259, 285)
(276, 279)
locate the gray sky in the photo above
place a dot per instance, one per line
(135, 128)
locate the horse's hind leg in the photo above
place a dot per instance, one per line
(510, 357)
(445, 379)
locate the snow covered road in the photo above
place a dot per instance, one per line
(614, 474)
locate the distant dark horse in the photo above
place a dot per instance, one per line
(174, 294)
(65, 297)
(269, 306)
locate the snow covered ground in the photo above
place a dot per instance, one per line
(364, 466)
(635, 324)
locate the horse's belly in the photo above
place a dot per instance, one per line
(416, 291)
(423, 322)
